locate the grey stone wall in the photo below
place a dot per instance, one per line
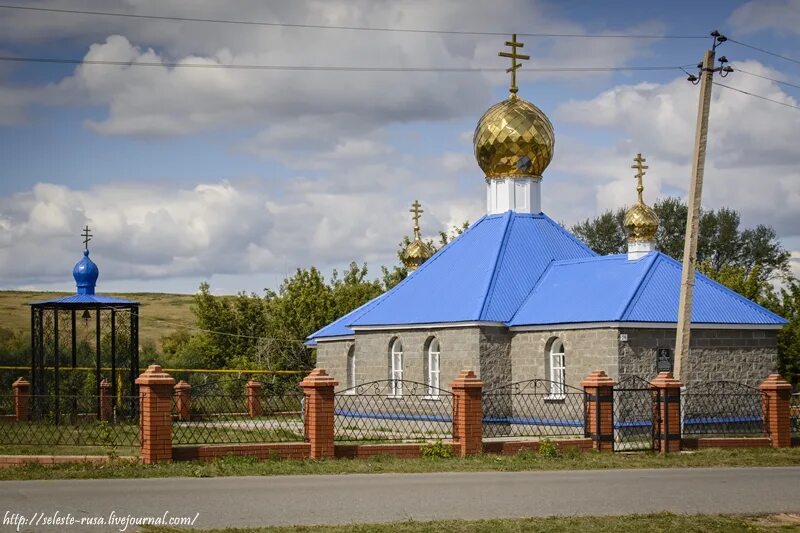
(495, 356)
(746, 356)
(585, 350)
(459, 350)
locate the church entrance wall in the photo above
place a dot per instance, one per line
(742, 355)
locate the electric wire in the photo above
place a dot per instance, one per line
(336, 27)
(240, 66)
(737, 69)
(756, 95)
(764, 51)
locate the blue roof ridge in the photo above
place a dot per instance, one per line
(636, 293)
(528, 296)
(725, 290)
(591, 259)
(497, 262)
(427, 263)
(569, 234)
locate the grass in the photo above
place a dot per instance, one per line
(661, 522)
(247, 466)
(160, 313)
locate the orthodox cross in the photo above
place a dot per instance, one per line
(514, 56)
(638, 164)
(415, 208)
(86, 237)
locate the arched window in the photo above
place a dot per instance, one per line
(558, 369)
(396, 367)
(351, 367)
(432, 368)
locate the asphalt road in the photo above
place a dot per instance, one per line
(252, 501)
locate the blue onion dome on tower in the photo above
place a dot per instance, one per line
(86, 271)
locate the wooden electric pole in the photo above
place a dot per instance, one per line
(707, 70)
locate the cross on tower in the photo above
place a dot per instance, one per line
(514, 65)
(638, 164)
(86, 237)
(415, 208)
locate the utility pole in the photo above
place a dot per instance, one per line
(706, 79)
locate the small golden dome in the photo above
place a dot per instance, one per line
(417, 251)
(514, 138)
(640, 220)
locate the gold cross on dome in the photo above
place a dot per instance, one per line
(415, 208)
(86, 237)
(514, 65)
(638, 164)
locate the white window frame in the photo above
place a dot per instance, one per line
(434, 370)
(558, 370)
(351, 370)
(396, 369)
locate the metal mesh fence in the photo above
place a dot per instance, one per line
(77, 423)
(224, 419)
(794, 414)
(722, 409)
(534, 408)
(393, 411)
(636, 408)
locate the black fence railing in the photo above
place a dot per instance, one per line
(393, 411)
(636, 410)
(224, 419)
(794, 414)
(722, 409)
(77, 423)
(534, 408)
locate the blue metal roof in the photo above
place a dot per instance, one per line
(338, 328)
(614, 289)
(76, 299)
(483, 275)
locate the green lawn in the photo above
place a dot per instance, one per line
(245, 466)
(662, 522)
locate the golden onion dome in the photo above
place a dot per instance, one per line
(417, 251)
(514, 138)
(640, 220)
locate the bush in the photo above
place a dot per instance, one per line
(436, 450)
(548, 448)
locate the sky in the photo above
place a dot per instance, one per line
(240, 177)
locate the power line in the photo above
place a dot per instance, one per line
(737, 69)
(740, 43)
(756, 95)
(68, 61)
(351, 28)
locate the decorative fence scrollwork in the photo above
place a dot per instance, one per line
(534, 408)
(636, 411)
(722, 409)
(393, 411)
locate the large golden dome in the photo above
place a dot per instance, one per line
(642, 223)
(514, 138)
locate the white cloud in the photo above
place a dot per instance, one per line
(754, 16)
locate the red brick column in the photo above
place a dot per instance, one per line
(183, 401)
(667, 392)
(254, 389)
(22, 395)
(777, 398)
(599, 390)
(106, 400)
(155, 390)
(467, 413)
(318, 390)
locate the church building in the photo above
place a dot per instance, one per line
(516, 296)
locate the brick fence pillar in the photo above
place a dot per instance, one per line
(22, 395)
(318, 391)
(106, 400)
(599, 423)
(777, 417)
(467, 413)
(667, 407)
(254, 389)
(183, 401)
(155, 391)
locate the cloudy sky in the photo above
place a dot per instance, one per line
(239, 177)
